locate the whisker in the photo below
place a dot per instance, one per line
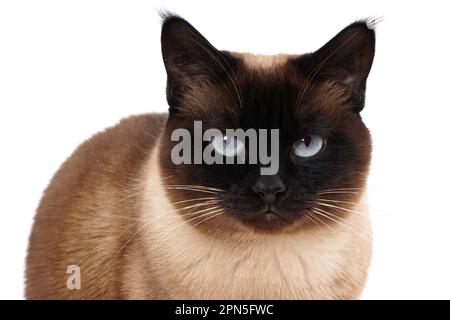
(185, 222)
(339, 201)
(127, 197)
(206, 201)
(194, 188)
(343, 189)
(191, 186)
(335, 218)
(341, 208)
(187, 189)
(194, 199)
(152, 220)
(317, 219)
(144, 183)
(352, 203)
(131, 238)
(344, 221)
(338, 192)
(210, 217)
(203, 210)
(351, 189)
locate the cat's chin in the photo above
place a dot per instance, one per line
(271, 222)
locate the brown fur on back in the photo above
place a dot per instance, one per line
(88, 211)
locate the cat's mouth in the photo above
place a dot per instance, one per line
(269, 219)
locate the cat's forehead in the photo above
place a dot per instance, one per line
(273, 82)
(267, 69)
(262, 62)
(263, 90)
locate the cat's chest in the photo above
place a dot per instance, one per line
(204, 268)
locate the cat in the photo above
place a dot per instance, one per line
(138, 226)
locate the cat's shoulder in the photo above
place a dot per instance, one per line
(132, 134)
(140, 128)
(114, 154)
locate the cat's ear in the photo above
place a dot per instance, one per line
(346, 59)
(188, 58)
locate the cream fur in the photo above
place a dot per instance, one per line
(262, 61)
(317, 264)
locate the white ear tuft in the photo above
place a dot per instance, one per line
(373, 22)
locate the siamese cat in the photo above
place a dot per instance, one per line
(136, 225)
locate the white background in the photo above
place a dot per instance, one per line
(71, 68)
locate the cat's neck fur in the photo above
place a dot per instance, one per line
(323, 262)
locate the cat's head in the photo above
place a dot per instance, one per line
(314, 100)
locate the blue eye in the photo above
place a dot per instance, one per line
(308, 146)
(228, 147)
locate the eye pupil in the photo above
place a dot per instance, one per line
(307, 140)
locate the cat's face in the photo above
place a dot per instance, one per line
(313, 100)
